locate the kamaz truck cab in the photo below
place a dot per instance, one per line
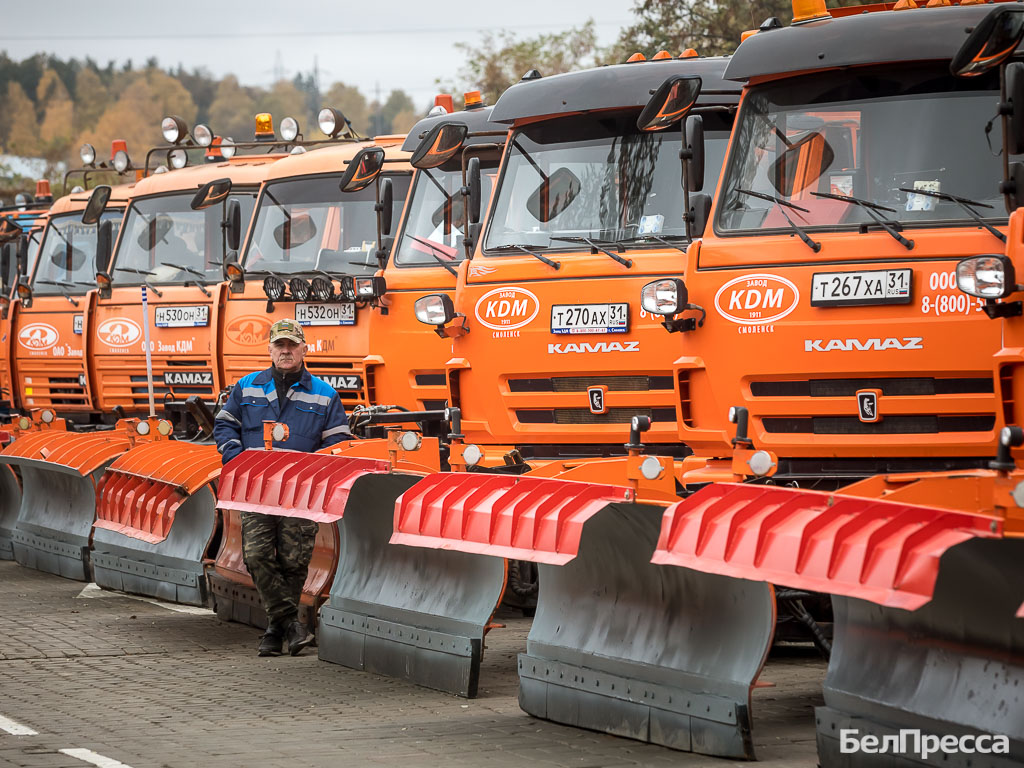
(861, 170)
(551, 354)
(314, 236)
(49, 348)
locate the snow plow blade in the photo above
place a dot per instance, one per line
(618, 644)
(953, 667)
(314, 486)
(883, 551)
(10, 502)
(406, 612)
(59, 471)
(927, 634)
(156, 515)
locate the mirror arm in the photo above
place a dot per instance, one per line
(684, 155)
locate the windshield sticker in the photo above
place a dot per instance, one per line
(923, 202)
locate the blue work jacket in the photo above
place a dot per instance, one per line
(312, 410)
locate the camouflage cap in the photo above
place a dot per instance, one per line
(287, 329)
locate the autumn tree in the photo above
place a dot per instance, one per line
(285, 100)
(382, 119)
(20, 128)
(501, 59)
(57, 126)
(232, 110)
(91, 99)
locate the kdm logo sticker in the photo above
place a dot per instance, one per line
(119, 332)
(506, 309)
(756, 299)
(38, 336)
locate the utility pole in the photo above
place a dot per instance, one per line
(278, 67)
(378, 130)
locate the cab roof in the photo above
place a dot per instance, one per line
(334, 157)
(119, 195)
(877, 37)
(477, 120)
(619, 86)
(243, 170)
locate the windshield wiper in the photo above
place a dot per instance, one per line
(144, 274)
(527, 249)
(661, 240)
(811, 243)
(965, 203)
(61, 284)
(436, 253)
(627, 263)
(871, 209)
(199, 283)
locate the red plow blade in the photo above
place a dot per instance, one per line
(881, 551)
(313, 486)
(522, 518)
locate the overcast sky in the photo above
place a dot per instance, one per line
(391, 43)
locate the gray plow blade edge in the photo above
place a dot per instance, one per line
(406, 612)
(953, 667)
(657, 653)
(58, 507)
(10, 503)
(172, 569)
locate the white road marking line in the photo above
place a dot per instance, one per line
(88, 756)
(15, 729)
(93, 591)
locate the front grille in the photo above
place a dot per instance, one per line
(889, 425)
(893, 387)
(584, 416)
(581, 383)
(685, 399)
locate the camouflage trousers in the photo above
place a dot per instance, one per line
(277, 551)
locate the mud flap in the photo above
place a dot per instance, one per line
(406, 612)
(156, 516)
(953, 667)
(659, 654)
(10, 502)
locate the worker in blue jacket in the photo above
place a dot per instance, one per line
(276, 549)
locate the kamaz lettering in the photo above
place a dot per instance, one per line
(600, 346)
(849, 345)
(188, 378)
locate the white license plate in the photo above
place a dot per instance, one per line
(590, 318)
(182, 317)
(79, 322)
(325, 314)
(880, 286)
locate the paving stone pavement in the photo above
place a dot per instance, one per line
(150, 687)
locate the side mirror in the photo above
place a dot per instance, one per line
(233, 224)
(992, 42)
(1013, 187)
(385, 206)
(670, 103)
(473, 182)
(811, 153)
(362, 169)
(97, 204)
(556, 193)
(21, 254)
(104, 246)
(5, 268)
(211, 193)
(693, 152)
(700, 209)
(1015, 95)
(439, 145)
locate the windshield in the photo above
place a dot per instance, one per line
(165, 241)
(610, 182)
(871, 134)
(305, 225)
(68, 254)
(436, 220)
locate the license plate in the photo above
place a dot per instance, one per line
(880, 286)
(325, 314)
(590, 318)
(79, 322)
(182, 317)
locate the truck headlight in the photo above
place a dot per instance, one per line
(989, 276)
(664, 297)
